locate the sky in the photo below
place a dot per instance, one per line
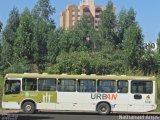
(147, 12)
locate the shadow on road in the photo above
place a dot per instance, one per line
(26, 117)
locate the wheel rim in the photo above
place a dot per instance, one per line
(103, 109)
(28, 108)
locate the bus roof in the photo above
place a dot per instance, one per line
(65, 76)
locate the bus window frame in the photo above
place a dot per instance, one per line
(34, 86)
(107, 80)
(141, 81)
(48, 79)
(78, 89)
(127, 87)
(14, 81)
(59, 79)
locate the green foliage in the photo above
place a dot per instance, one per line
(43, 10)
(30, 43)
(39, 44)
(77, 38)
(108, 23)
(124, 20)
(20, 67)
(158, 43)
(52, 46)
(133, 46)
(45, 40)
(1, 25)
(22, 45)
(0, 58)
(72, 63)
(1, 88)
(8, 38)
(149, 62)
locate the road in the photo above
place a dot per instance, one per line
(76, 116)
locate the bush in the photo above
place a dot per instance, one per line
(1, 89)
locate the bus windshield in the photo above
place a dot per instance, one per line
(12, 87)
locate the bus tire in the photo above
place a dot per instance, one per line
(28, 108)
(104, 109)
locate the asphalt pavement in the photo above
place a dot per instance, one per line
(76, 116)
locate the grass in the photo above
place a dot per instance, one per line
(158, 95)
(158, 108)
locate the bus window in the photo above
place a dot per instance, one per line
(86, 85)
(66, 85)
(47, 84)
(107, 86)
(143, 87)
(29, 84)
(122, 86)
(12, 87)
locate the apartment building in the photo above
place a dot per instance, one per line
(73, 13)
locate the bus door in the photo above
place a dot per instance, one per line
(12, 95)
(122, 91)
(141, 98)
(66, 95)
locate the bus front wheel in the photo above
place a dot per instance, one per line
(103, 109)
(28, 108)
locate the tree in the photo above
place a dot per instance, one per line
(64, 40)
(77, 38)
(45, 11)
(8, 38)
(83, 34)
(52, 46)
(23, 43)
(43, 28)
(72, 63)
(108, 24)
(149, 62)
(133, 46)
(125, 19)
(1, 26)
(39, 44)
(158, 43)
(158, 52)
(0, 46)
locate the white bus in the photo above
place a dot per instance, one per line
(104, 94)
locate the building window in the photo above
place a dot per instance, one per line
(97, 16)
(98, 10)
(73, 18)
(79, 17)
(86, 10)
(73, 13)
(73, 22)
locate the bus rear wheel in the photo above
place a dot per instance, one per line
(28, 108)
(104, 109)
